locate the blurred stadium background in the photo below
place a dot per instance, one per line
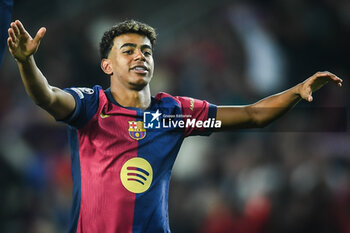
(227, 52)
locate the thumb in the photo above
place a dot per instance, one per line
(309, 98)
(306, 93)
(39, 35)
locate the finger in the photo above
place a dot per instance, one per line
(323, 73)
(20, 27)
(39, 35)
(15, 29)
(307, 94)
(309, 98)
(12, 34)
(330, 75)
(11, 44)
(336, 79)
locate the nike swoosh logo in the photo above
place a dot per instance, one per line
(102, 115)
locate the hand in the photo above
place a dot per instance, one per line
(20, 43)
(315, 82)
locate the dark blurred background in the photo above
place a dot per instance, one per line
(227, 52)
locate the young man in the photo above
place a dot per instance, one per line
(121, 154)
(5, 19)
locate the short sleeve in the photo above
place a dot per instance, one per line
(199, 115)
(87, 100)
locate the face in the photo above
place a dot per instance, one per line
(130, 61)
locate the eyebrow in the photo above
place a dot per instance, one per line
(145, 46)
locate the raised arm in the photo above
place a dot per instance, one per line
(22, 46)
(263, 112)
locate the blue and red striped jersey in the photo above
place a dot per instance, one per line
(121, 168)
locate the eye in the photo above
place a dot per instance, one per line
(128, 52)
(147, 53)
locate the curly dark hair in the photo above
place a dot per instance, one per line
(128, 26)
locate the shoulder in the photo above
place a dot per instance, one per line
(165, 98)
(84, 92)
(161, 95)
(179, 100)
(87, 103)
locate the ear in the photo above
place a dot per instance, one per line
(106, 66)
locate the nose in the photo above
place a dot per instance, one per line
(139, 56)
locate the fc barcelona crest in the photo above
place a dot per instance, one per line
(136, 130)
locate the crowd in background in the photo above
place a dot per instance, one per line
(290, 178)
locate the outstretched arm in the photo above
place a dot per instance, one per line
(270, 108)
(22, 46)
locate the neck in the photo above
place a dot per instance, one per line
(132, 98)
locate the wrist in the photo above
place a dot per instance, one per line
(25, 60)
(297, 89)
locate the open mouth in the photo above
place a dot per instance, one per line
(140, 69)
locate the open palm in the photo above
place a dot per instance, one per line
(21, 44)
(315, 82)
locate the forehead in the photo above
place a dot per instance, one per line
(132, 38)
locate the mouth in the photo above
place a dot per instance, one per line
(140, 69)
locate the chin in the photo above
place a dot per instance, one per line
(140, 82)
(138, 86)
